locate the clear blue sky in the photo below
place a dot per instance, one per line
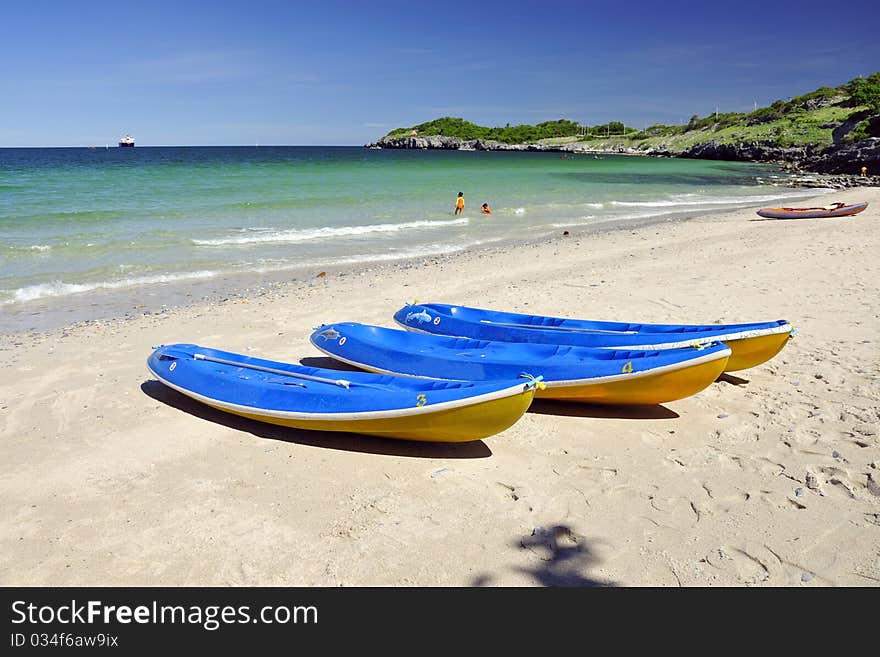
(328, 72)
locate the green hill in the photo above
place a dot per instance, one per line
(518, 134)
(810, 123)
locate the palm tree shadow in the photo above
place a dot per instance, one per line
(577, 409)
(349, 442)
(565, 556)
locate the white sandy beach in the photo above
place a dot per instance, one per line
(769, 477)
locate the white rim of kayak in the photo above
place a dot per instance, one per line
(698, 360)
(723, 337)
(388, 414)
(812, 213)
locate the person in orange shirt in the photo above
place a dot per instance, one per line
(486, 209)
(459, 203)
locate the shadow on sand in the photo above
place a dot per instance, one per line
(577, 409)
(732, 380)
(348, 442)
(565, 557)
(328, 363)
(548, 406)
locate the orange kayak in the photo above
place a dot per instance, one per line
(835, 210)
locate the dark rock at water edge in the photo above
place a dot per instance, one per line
(748, 152)
(442, 142)
(849, 158)
(833, 181)
(840, 158)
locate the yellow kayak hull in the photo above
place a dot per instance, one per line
(643, 389)
(749, 352)
(455, 425)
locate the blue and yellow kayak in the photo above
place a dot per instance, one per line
(330, 400)
(751, 344)
(598, 376)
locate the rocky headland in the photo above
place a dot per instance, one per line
(829, 131)
(843, 160)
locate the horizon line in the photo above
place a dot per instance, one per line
(110, 147)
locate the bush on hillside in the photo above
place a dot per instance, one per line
(458, 127)
(866, 91)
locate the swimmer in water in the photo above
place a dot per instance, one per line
(459, 204)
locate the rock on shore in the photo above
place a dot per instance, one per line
(850, 158)
(837, 159)
(454, 143)
(747, 152)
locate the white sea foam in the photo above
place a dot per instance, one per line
(425, 252)
(39, 248)
(690, 200)
(519, 211)
(575, 223)
(60, 289)
(328, 232)
(365, 258)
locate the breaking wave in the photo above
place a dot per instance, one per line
(327, 232)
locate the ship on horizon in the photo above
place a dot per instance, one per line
(126, 142)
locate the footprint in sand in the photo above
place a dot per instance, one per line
(724, 503)
(750, 564)
(679, 513)
(603, 479)
(873, 484)
(842, 481)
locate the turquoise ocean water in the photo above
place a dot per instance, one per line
(85, 226)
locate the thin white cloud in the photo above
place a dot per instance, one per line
(194, 67)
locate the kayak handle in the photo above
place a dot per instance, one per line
(337, 382)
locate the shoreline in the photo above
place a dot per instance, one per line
(770, 477)
(62, 311)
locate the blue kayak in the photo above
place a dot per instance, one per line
(331, 400)
(606, 376)
(751, 344)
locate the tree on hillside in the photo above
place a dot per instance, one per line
(866, 91)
